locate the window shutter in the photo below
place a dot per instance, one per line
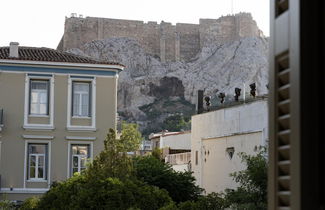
(280, 112)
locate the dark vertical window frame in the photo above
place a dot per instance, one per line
(48, 97)
(72, 98)
(90, 99)
(29, 96)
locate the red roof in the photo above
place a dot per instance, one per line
(50, 55)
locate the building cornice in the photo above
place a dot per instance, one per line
(64, 64)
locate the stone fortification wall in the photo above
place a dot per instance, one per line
(228, 28)
(166, 41)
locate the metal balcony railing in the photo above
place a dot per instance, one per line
(179, 158)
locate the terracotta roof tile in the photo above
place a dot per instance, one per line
(50, 55)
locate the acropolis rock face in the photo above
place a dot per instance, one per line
(158, 80)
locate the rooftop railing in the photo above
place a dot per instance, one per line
(179, 158)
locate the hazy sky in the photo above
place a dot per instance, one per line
(40, 23)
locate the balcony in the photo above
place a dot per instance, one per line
(178, 159)
(1, 119)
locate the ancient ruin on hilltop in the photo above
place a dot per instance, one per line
(165, 41)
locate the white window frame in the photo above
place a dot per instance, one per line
(80, 157)
(81, 95)
(39, 91)
(37, 156)
(92, 127)
(50, 125)
(48, 167)
(70, 143)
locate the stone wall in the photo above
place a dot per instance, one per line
(166, 41)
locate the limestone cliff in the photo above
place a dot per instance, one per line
(150, 90)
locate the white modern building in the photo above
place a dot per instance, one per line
(217, 138)
(176, 147)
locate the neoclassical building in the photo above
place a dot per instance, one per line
(55, 110)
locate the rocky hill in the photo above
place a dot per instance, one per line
(150, 90)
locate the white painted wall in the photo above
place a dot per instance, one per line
(217, 165)
(179, 141)
(180, 168)
(243, 126)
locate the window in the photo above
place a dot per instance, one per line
(37, 161)
(81, 99)
(79, 157)
(39, 97)
(230, 151)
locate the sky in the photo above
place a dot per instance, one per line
(40, 23)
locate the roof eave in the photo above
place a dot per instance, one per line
(117, 67)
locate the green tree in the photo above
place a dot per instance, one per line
(252, 191)
(176, 123)
(212, 201)
(113, 161)
(180, 185)
(108, 182)
(130, 138)
(111, 193)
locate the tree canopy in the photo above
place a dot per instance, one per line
(180, 185)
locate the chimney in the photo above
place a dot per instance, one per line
(13, 50)
(200, 101)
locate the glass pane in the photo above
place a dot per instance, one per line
(76, 99)
(75, 161)
(76, 104)
(84, 111)
(74, 149)
(74, 170)
(41, 161)
(43, 97)
(40, 172)
(85, 99)
(31, 172)
(39, 85)
(43, 109)
(34, 108)
(32, 161)
(34, 97)
(84, 87)
(83, 150)
(36, 149)
(83, 162)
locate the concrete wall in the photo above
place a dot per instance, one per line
(242, 127)
(180, 168)
(169, 42)
(179, 141)
(217, 164)
(12, 160)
